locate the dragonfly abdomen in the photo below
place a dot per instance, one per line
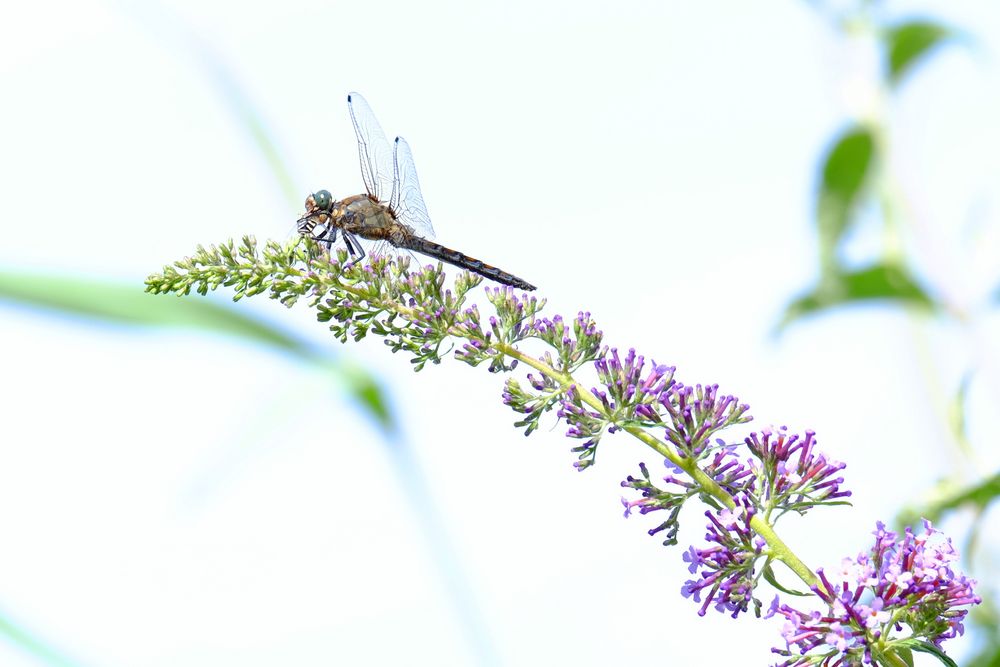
(461, 260)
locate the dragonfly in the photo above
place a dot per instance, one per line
(391, 210)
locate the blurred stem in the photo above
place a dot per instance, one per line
(891, 201)
(31, 644)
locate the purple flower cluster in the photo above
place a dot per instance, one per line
(908, 586)
(724, 467)
(727, 565)
(584, 424)
(791, 473)
(632, 396)
(573, 345)
(698, 412)
(786, 473)
(626, 394)
(622, 394)
(514, 317)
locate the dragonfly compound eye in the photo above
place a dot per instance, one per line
(323, 200)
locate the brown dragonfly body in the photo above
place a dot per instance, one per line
(359, 216)
(400, 219)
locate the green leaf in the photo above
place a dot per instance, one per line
(770, 578)
(881, 282)
(910, 42)
(846, 171)
(923, 646)
(906, 654)
(122, 304)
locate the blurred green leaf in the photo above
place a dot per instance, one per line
(122, 304)
(846, 170)
(33, 645)
(885, 282)
(979, 495)
(988, 657)
(909, 42)
(986, 619)
(946, 497)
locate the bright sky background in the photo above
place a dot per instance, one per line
(174, 499)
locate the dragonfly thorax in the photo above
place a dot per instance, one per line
(366, 218)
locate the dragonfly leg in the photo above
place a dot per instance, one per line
(328, 236)
(354, 248)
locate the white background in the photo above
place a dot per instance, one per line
(174, 499)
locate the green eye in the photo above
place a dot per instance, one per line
(323, 200)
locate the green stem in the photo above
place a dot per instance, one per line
(779, 549)
(759, 523)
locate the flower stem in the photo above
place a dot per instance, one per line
(779, 549)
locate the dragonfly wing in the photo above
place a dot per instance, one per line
(373, 149)
(407, 202)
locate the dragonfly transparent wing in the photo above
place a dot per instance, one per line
(407, 202)
(373, 149)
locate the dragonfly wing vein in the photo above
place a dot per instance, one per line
(408, 202)
(374, 151)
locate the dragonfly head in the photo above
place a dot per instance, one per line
(319, 207)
